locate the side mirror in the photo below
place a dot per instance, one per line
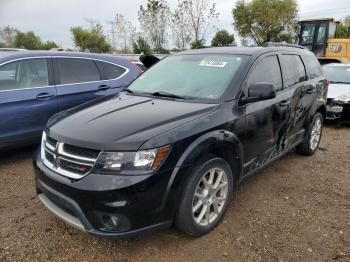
(148, 60)
(259, 92)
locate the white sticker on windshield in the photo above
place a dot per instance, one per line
(213, 63)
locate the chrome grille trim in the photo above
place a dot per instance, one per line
(51, 148)
(59, 153)
(62, 152)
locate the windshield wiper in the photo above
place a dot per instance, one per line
(129, 91)
(339, 82)
(166, 94)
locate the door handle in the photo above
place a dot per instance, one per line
(103, 87)
(310, 90)
(44, 96)
(284, 103)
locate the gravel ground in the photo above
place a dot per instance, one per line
(297, 209)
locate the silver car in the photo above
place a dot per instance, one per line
(338, 99)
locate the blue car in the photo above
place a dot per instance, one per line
(36, 85)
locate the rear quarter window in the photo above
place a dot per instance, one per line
(109, 71)
(313, 67)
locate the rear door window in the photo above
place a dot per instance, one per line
(26, 73)
(267, 70)
(293, 70)
(76, 70)
(109, 71)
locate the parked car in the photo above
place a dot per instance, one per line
(338, 99)
(171, 148)
(9, 49)
(36, 85)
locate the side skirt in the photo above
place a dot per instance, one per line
(253, 172)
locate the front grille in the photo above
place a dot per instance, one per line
(73, 167)
(80, 151)
(49, 157)
(51, 142)
(68, 160)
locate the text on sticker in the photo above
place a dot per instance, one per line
(213, 63)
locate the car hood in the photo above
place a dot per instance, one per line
(336, 90)
(124, 122)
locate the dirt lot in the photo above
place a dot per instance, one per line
(297, 209)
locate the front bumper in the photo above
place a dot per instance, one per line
(107, 205)
(339, 112)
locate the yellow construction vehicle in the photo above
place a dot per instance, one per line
(318, 35)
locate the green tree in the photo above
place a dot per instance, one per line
(223, 38)
(197, 44)
(244, 42)
(343, 27)
(2, 45)
(90, 39)
(8, 35)
(200, 17)
(180, 26)
(266, 20)
(28, 40)
(154, 22)
(49, 45)
(141, 46)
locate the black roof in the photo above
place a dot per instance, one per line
(253, 51)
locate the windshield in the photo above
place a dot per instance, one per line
(337, 73)
(204, 76)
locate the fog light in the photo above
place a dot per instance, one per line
(111, 222)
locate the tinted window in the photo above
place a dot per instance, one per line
(200, 76)
(313, 67)
(25, 73)
(293, 70)
(74, 70)
(267, 70)
(109, 71)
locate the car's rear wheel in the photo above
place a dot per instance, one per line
(311, 143)
(206, 196)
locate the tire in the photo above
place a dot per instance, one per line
(196, 192)
(311, 143)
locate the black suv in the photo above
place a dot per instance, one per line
(172, 147)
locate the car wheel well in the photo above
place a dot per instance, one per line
(322, 109)
(228, 154)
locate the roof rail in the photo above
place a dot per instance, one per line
(275, 44)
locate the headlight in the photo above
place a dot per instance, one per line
(345, 98)
(145, 160)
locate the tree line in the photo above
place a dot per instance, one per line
(12, 37)
(186, 26)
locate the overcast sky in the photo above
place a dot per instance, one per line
(52, 19)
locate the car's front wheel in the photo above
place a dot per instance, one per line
(206, 196)
(311, 143)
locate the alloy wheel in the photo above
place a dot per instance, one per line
(315, 134)
(210, 196)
